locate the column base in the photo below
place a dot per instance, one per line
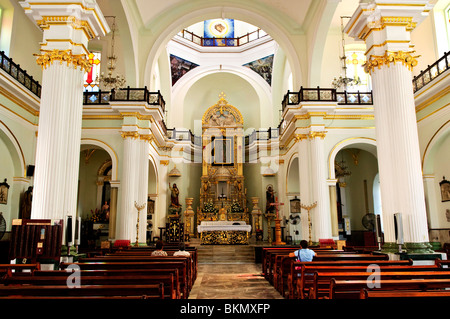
(410, 248)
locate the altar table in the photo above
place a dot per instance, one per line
(224, 232)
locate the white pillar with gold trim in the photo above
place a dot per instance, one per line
(305, 180)
(386, 27)
(67, 28)
(320, 193)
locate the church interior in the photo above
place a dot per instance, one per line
(238, 129)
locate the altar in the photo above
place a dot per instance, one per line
(224, 232)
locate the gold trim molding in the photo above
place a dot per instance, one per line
(76, 60)
(75, 23)
(390, 57)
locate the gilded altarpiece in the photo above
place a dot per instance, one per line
(222, 193)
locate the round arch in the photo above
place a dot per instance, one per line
(181, 88)
(275, 30)
(15, 150)
(290, 169)
(109, 150)
(430, 150)
(364, 143)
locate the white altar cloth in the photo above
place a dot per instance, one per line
(223, 226)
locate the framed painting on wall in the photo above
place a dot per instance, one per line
(4, 187)
(445, 190)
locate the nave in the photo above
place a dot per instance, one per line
(230, 272)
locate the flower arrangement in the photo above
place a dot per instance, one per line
(236, 208)
(98, 216)
(208, 207)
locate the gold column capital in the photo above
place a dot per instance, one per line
(301, 137)
(314, 134)
(146, 137)
(76, 60)
(406, 58)
(132, 134)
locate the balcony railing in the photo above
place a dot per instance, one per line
(431, 72)
(222, 42)
(326, 95)
(126, 94)
(13, 69)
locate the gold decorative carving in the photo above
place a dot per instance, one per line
(222, 114)
(314, 134)
(146, 137)
(389, 57)
(300, 137)
(126, 134)
(76, 60)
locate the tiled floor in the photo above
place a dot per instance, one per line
(229, 272)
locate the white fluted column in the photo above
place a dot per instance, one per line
(67, 28)
(386, 30)
(305, 181)
(129, 183)
(143, 184)
(321, 218)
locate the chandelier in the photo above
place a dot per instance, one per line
(344, 81)
(110, 81)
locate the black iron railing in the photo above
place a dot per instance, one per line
(226, 42)
(326, 95)
(13, 69)
(431, 72)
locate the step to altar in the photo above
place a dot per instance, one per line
(226, 254)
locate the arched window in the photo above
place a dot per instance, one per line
(91, 78)
(355, 70)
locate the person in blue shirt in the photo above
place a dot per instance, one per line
(304, 253)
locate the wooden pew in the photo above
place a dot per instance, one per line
(443, 263)
(132, 259)
(167, 280)
(119, 272)
(147, 252)
(7, 269)
(296, 274)
(347, 289)
(370, 294)
(154, 291)
(133, 266)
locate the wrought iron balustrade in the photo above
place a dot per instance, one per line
(431, 72)
(14, 69)
(225, 42)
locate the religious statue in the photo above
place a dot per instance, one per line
(26, 203)
(175, 206)
(174, 192)
(105, 210)
(270, 199)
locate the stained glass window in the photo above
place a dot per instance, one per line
(355, 70)
(91, 78)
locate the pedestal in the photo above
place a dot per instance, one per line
(278, 233)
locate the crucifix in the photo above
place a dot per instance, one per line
(277, 241)
(308, 208)
(139, 208)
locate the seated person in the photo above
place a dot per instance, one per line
(159, 249)
(182, 251)
(304, 253)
